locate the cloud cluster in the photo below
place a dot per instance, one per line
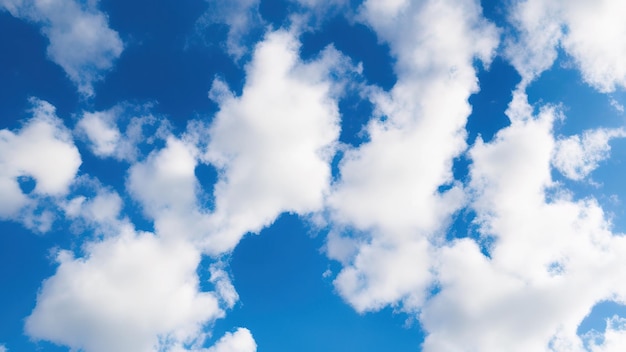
(240, 16)
(273, 145)
(527, 276)
(97, 301)
(538, 263)
(81, 41)
(534, 283)
(387, 195)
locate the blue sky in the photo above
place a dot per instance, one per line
(304, 175)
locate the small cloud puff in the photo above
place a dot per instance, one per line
(42, 149)
(577, 157)
(81, 41)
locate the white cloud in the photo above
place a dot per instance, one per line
(284, 127)
(576, 157)
(552, 258)
(223, 286)
(616, 105)
(133, 292)
(137, 291)
(535, 48)
(595, 38)
(388, 191)
(3, 349)
(241, 16)
(385, 273)
(166, 179)
(239, 341)
(590, 32)
(167, 189)
(102, 130)
(42, 149)
(614, 338)
(81, 41)
(273, 144)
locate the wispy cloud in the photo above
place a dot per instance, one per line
(81, 41)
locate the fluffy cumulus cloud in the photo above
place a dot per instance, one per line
(273, 144)
(388, 190)
(42, 150)
(588, 31)
(101, 130)
(576, 157)
(546, 258)
(132, 292)
(239, 341)
(81, 41)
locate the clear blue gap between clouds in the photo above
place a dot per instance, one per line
(276, 12)
(25, 261)
(564, 87)
(284, 297)
(495, 11)
(207, 176)
(166, 61)
(600, 313)
(27, 72)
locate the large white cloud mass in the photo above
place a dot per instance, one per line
(389, 185)
(81, 41)
(551, 257)
(133, 292)
(273, 145)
